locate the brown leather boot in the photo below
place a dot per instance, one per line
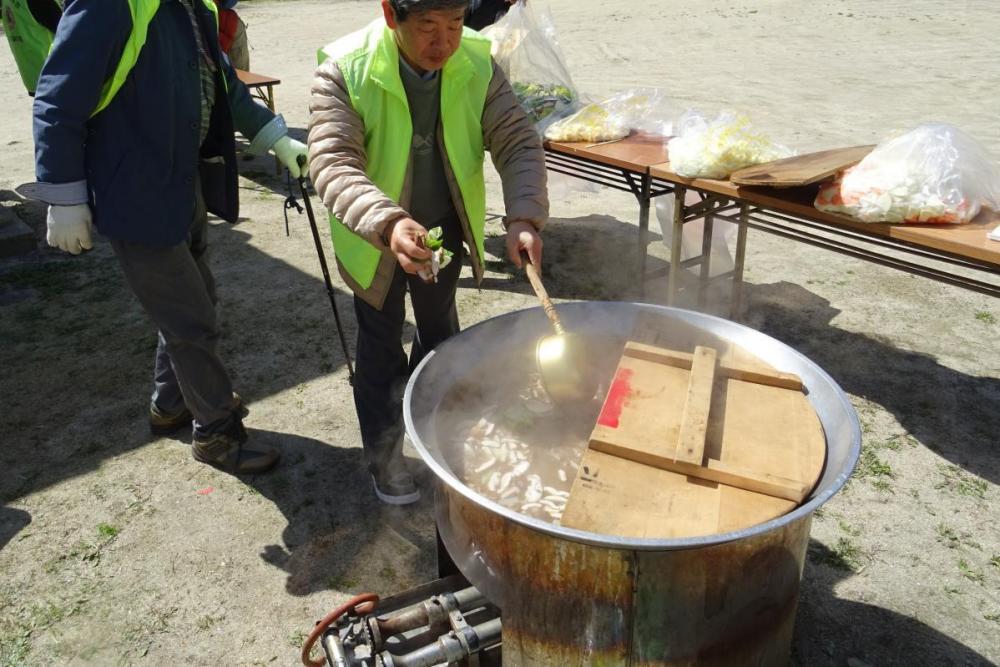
(162, 423)
(230, 452)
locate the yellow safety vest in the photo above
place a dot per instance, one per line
(29, 40)
(369, 61)
(142, 12)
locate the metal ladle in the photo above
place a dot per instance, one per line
(561, 358)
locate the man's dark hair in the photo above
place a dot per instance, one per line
(403, 8)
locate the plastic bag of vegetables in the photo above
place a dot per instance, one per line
(932, 174)
(614, 118)
(526, 48)
(716, 147)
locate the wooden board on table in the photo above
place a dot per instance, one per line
(763, 446)
(801, 170)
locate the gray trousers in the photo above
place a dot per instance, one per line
(177, 291)
(382, 366)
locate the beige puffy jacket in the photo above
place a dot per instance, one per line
(337, 163)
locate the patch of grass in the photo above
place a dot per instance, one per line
(250, 490)
(992, 617)
(995, 561)
(84, 550)
(951, 590)
(882, 486)
(848, 528)
(948, 537)
(15, 647)
(341, 583)
(48, 614)
(388, 572)
(866, 424)
(896, 442)
(848, 553)
(845, 555)
(986, 316)
(18, 630)
(970, 574)
(961, 482)
(207, 621)
(871, 467)
(138, 635)
(107, 530)
(297, 639)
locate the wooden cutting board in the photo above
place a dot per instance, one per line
(689, 445)
(801, 169)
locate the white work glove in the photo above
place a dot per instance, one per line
(69, 228)
(288, 151)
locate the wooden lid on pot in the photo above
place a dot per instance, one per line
(689, 444)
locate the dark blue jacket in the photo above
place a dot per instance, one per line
(137, 159)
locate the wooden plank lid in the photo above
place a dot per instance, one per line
(689, 444)
(801, 170)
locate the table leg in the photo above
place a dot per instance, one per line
(675, 244)
(644, 200)
(270, 105)
(736, 296)
(706, 260)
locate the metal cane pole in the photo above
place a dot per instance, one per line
(326, 272)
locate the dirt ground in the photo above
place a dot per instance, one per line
(117, 548)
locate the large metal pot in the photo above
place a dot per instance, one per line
(570, 597)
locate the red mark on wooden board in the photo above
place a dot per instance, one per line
(618, 394)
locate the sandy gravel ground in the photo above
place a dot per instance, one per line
(117, 548)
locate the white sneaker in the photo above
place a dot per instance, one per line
(399, 490)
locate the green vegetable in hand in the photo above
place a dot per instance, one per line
(434, 239)
(440, 256)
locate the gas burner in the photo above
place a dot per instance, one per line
(444, 622)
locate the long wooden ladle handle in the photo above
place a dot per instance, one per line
(543, 296)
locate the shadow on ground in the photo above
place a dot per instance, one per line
(78, 352)
(339, 535)
(955, 414)
(829, 631)
(12, 521)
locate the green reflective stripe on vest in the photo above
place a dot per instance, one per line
(142, 12)
(29, 41)
(369, 61)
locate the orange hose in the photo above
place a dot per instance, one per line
(329, 620)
